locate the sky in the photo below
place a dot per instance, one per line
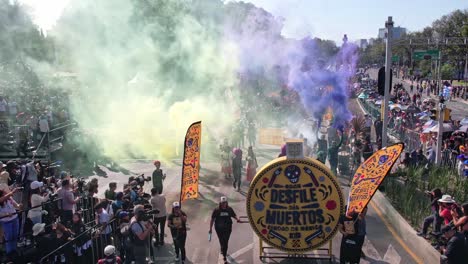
(331, 19)
(327, 19)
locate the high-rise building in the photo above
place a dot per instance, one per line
(398, 32)
(362, 43)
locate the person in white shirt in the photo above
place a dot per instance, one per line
(102, 219)
(158, 202)
(4, 178)
(35, 213)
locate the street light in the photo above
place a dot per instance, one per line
(388, 66)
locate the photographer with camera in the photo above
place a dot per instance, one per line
(139, 234)
(446, 203)
(434, 218)
(37, 198)
(454, 252)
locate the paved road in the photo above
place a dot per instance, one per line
(459, 106)
(380, 247)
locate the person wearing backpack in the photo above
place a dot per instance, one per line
(140, 232)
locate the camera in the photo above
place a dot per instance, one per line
(80, 182)
(146, 215)
(141, 179)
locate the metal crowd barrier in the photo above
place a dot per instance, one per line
(90, 250)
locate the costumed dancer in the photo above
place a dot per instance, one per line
(350, 250)
(226, 156)
(237, 168)
(252, 164)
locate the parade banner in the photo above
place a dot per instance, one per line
(271, 136)
(370, 175)
(191, 163)
(295, 204)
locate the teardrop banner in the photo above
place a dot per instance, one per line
(191, 163)
(370, 175)
(294, 204)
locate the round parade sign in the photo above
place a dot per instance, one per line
(294, 204)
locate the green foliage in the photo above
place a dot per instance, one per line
(447, 71)
(405, 188)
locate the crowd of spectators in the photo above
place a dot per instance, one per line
(59, 219)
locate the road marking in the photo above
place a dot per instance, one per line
(395, 235)
(241, 251)
(370, 250)
(392, 256)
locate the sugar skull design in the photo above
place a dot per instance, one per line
(292, 172)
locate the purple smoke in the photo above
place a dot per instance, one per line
(320, 81)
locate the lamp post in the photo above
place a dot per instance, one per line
(440, 131)
(388, 66)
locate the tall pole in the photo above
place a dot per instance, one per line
(388, 66)
(440, 131)
(465, 76)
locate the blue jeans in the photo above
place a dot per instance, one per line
(10, 230)
(36, 219)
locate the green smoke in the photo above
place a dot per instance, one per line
(146, 70)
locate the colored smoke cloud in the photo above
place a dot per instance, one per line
(148, 69)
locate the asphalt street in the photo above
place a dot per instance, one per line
(380, 246)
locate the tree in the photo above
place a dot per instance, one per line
(447, 71)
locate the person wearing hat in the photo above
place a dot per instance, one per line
(139, 232)
(158, 176)
(177, 221)
(110, 256)
(455, 252)
(4, 177)
(221, 217)
(35, 213)
(446, 203)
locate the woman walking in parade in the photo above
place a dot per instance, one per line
(252, 164)
(221, 218)
(226, 156)
(177, 221)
